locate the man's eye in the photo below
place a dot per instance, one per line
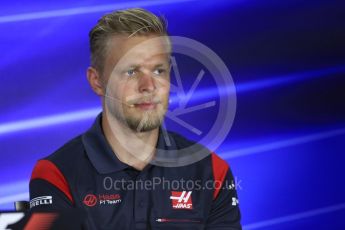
(159, 71)
(130, 72)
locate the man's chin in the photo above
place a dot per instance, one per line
(144, 123)
(141, 128)
(146, 129)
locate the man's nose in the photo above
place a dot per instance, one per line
(146, 83)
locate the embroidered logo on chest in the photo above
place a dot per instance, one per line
(181, 200)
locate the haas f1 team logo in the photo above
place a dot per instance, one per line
(90, 200)
(181, 200)
(101, 199)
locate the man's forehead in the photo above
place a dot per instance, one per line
(149, 61)
(123, 44)
(139, 50)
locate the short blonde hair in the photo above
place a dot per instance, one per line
(134, 21)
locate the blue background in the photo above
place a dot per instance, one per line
(287, 59)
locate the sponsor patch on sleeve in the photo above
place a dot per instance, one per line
(41, 200)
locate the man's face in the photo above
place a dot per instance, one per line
(137, 73)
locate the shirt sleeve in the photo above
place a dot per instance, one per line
(49, 189)
(225, 212)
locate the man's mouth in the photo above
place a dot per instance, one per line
(146, 105)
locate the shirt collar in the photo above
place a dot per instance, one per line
(101, 154)
(99, 151)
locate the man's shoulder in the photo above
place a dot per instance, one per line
(67, 157)
(68, 151)
(181, 141)
(187, 144)
(60, 167)
(197, 158)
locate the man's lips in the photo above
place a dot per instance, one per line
(146, 105)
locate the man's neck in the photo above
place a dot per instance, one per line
(133, 148)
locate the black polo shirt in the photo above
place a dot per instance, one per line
(167, 194)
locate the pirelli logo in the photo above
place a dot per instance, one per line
(41, 200)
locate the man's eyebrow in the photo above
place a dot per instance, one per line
(138, 66)
(162, 65)
(133, 66)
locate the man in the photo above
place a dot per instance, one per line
(99, 172)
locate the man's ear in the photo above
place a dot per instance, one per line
(95, 81)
